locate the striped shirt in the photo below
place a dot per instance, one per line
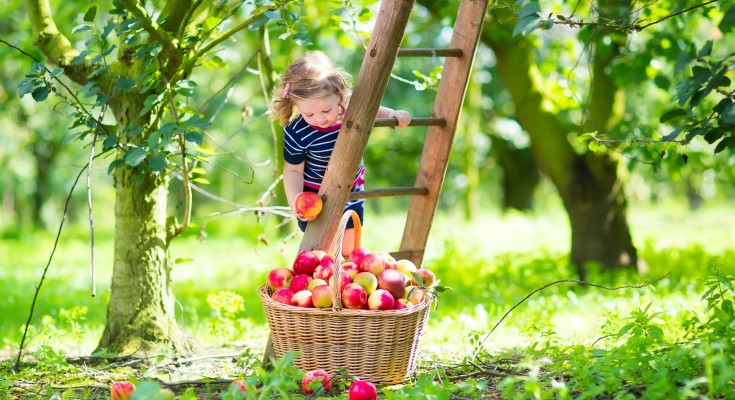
(313, 146)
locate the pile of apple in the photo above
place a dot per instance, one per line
(368, 280)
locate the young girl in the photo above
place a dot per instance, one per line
(318, 93)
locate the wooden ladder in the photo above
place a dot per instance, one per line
(359, 120)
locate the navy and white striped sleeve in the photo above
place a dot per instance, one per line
(293, 151)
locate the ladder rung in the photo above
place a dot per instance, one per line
(408, 254)
(386, 122)
(387, 192)
(430, 52)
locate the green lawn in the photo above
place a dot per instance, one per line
(491, 262)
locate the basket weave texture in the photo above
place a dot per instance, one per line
(378, 346)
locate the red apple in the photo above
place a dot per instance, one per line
(314, 283)
(279, 278)
(325, 269)
(305, 263)
(402, 304)
(344, 280)
(363, 390)
(373, 263)
(316, 381)
(367, 280)
(390, 262)
(166, 394)
(354, 296)
(393, 281)
(322, 296)
(319, 253)
(381, 299)
(350, 268)
(308, 204)
(358, 254)
(406, 266)
(300, 282)
(302, 298)
(283, 295)
(121, 390)
(427, 276)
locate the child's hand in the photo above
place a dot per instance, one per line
(403, 117)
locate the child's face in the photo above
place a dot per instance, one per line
(321, 112)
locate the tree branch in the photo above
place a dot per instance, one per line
(151, 26)
(189, 64)
(53, 43)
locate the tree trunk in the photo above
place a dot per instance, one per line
(589, 185)
(140, 314)
(520, 174)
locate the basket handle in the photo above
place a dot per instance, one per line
(336, 248)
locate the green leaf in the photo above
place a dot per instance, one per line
(26, 86)
(158, 162)
(727, 24)
(656, 332)
(626, 329)
(722, 145)
(706, 50)
(90, 14)
(40, 93)
(527, 25)
(183, 260)
(674, 134)
(113, 165)
(135, 156)
(56, 72)
(671, 114)
(109, 142)
(726, 282)
(134, 130)
(417, 278)
(194, 137)
(726, 109)
(260, 21)
(594, 145)
(713, 135)
(81, 28)
(125, 84)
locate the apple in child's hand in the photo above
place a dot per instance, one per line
(322, 296)
(363, 390)
(316, 381)
(314, 283)
(308, 204)
(373, 263)
(381, 299)
(367, 280)
(121, 390)
(358, 254)
(279, 278)
(283, 295)
(302, 298)
(350, 268)
(393, 281)
(305, 263)
(354, 296)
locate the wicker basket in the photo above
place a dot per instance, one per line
(379, 346)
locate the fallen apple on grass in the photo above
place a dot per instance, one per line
(316, 381)
(362, 390)
(122, 390)
(308, 204)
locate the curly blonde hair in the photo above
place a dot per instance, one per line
(311, 76)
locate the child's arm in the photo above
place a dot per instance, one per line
(293, 183)
(403, 117)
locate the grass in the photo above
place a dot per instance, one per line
(491, 262)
